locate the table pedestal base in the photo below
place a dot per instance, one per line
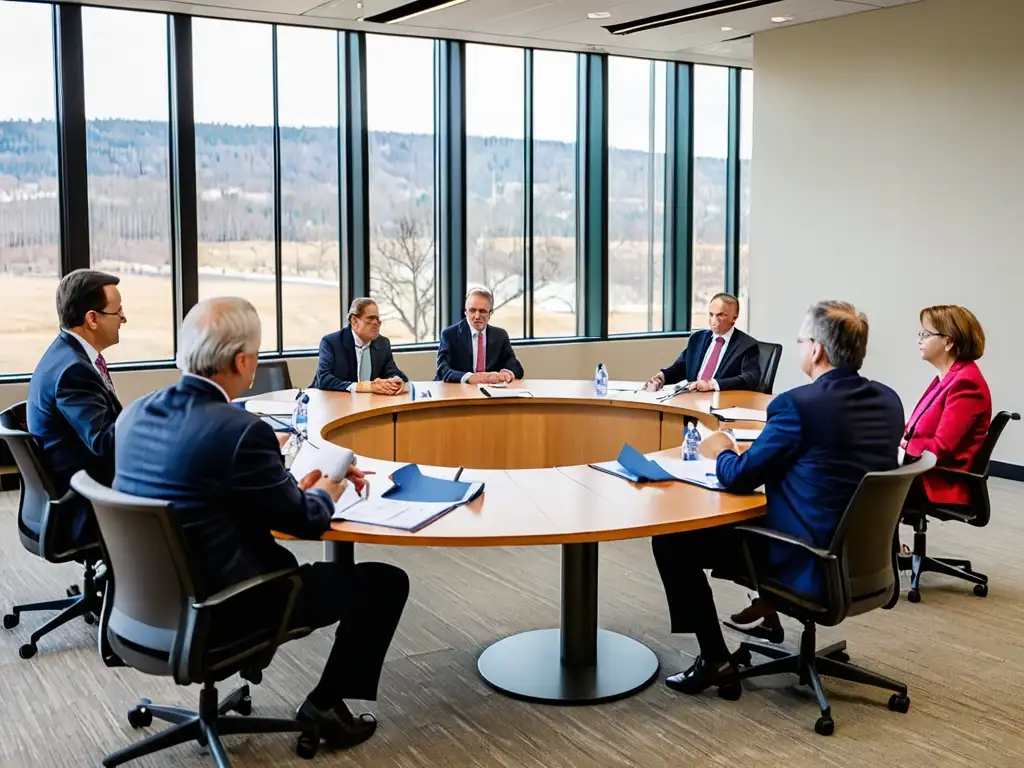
(529, 666)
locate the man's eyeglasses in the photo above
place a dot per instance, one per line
(119, 312)
(484, 312)
(370, 318)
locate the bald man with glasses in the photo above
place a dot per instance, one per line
(474, 352)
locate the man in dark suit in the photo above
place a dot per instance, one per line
(720, 358)
(819, 442)
(222, 469)
(357, 358)
(473, 352)
(72, 405)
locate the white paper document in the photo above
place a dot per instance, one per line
(700, 472)
(745, 435)
(372, 508)
(740, 414)
(625, 386)
(489, 390)
(332, 460)
(273, 407)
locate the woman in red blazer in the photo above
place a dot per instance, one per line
(952, 418)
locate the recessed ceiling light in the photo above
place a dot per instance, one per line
(781, 19)
(727, 29)
(599, 15)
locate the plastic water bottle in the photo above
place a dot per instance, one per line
(691, 442)
(300, 416)
(601, 380)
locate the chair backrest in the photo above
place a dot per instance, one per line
(152, 580)
(863, 540)
(271, 376)
(983, 458)
(770, 355)
(38, 489)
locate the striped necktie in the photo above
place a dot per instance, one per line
(101, 366)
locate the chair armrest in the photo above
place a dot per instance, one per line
(962, 473)
(241, 587)
(785, 538)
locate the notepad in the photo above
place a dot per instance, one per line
(489, 390)
(740, 414)
(332, 460)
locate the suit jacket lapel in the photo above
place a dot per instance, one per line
(732, 350)
(84, 357)
(489, 352)
(348, 352)
(376, 358)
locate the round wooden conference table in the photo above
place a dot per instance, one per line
(532, 456)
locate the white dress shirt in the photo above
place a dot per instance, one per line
(90, 350)
(721, 355)
(473, 344)
(208, 381)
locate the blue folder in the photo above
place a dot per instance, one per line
(635, 467)
(412, 485)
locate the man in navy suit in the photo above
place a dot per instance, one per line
(473, 352)
(819, 442)
(72, 404)
(221, 468)
(720, 358)
(357, 358)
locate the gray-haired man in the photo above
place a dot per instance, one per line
(221, 468)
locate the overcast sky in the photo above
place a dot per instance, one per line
(126, 77)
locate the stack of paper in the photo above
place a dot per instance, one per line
(637, 468)
(740, 414)
(409, 502)
(282, 407)
(489, 390)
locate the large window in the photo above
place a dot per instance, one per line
(746, 152)
(29, 212)
(710, 148)
(636, 194)
(307, 84)
(495, 130)
(554, 193)
(126, 106)
(234, 112)
(400, 116)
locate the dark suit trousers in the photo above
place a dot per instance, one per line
(366, 601)
(682, 559)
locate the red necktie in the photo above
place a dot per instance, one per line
(481, 355)
(101, 366)
(709, 367)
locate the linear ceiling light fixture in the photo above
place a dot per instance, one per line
(716, 8)
(412, 10)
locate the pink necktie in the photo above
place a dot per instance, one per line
(481, 356)
(709, 367)
(101, 366)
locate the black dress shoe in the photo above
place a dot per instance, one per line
(339, 728)
(704, 674)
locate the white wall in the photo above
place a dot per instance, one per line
(626, 359)
(888, 170)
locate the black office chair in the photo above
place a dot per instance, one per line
(271, 376)
(976, 513)
(858, 577)
(43, 524)
(159, 620)
(769, 355)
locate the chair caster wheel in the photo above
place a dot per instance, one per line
(841, 656)
(307, 746)
(825, 726)
(89, 618)
(914, 596)
(74, 590)
(742, 658)
(28, 650)
(11, 620)
(244, 707)
(140, 717)
(899, 703)
(981, 590)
